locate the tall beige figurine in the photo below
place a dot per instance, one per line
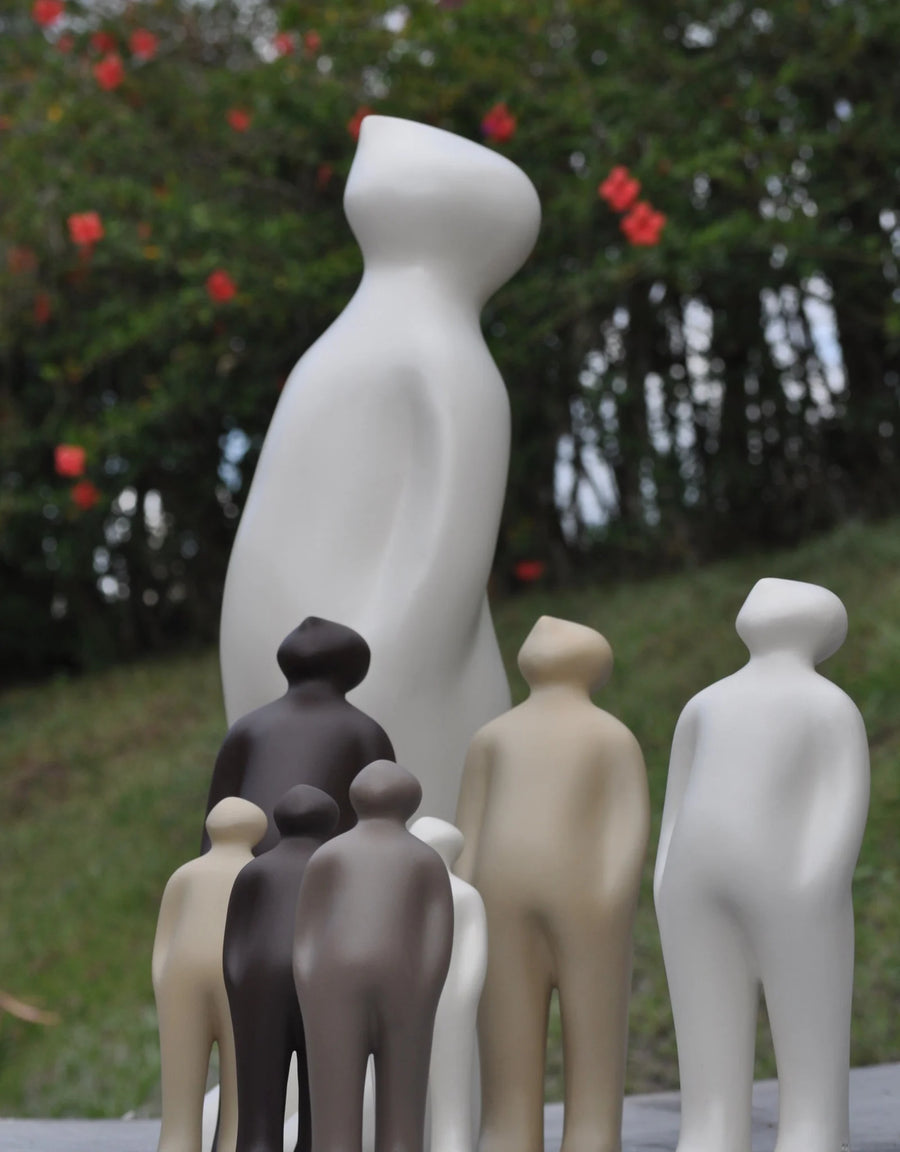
(555, 813)
(189, 983)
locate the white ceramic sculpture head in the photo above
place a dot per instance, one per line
(422, 194)
(236, 821)
(561, 651)
(791, 616)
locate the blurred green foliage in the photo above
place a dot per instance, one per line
(734, 385)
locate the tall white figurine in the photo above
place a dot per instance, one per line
(378, 493)
(451, 1081)
(765, 808)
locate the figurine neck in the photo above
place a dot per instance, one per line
(410, 283)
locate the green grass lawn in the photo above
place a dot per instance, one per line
(103, 782)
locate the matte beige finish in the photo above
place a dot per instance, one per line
(188, 980)
(555, 812)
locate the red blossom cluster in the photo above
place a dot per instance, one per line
(103, 41)
(643, 224)
(220, 287)
(43, 308)
(312, 42)
(69, 460)
(355, 122)
(47, 12)
(143, 44)
(498, 125)
(109, 72)
(239, 119)
(528, 571)
(284, 44)
(85, 229)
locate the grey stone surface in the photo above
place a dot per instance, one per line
(650, 1124)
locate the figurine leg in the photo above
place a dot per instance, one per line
(451, 1079)
(714, 1004)
(185, 1042)
(594, 986)
(262, 1042)
(808, 983)
(401, 1081)
(304, 1126)
(228, 1089)
(512, 1036)
(337, 1053)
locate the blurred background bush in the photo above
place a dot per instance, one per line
(702, 355)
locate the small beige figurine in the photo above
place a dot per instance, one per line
(189, 983)
(555, 813)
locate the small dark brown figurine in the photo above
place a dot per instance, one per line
(310, 735)
(371, 952)
(259, 942)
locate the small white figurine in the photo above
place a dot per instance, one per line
(451, 1081)
(555, 813)
(765, 808)
(378, 493)
(189, 981)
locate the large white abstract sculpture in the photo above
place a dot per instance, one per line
(764, 814)
(378, 493)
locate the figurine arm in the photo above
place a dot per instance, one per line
(838, 821)
(228, 775)
(471, 941)
(471, 805)
(313, 904)
(683, 746)
(169, 914)
(626, 846)
(437, 933)
(377, 746)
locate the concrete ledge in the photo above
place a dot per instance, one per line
(650, 1124)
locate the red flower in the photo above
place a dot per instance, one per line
(220, 286)
(498, 125)
(284, 44)
(619, 189)
(43, 310)
(312, 42)
(529, 570)
(143, 44)
(85, 228)
(65, 43)
(144, 230)
(643, 224)
(239, 119)
(323, 175)
(69, 459)
(103, 42)
(85, 494)
(21, 259)
(47, 12)
(109, 72)
(355, 122)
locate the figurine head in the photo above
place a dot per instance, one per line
(322, 650)
(383, 788)
(560, 651)
(446, 839)
(306, 811)
(788, 615)
(236, 821)
(418, 194)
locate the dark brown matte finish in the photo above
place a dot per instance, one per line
(310, 735)
(372, 948)
(259, 944)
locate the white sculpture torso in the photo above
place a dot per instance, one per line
(764, 814)
(378, 493)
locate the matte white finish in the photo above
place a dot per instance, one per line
(765, 808)
(378, 493)
(453, 1116)
(189, 983)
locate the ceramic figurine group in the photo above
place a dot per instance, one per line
(316, 927)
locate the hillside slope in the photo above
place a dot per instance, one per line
(103, 782)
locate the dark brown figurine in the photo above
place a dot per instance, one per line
(310, 735)
(259, 942)
(371, 952)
